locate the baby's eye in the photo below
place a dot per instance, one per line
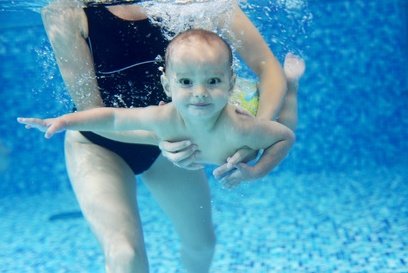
(214, 81)
(185, 82)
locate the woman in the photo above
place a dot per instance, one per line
(107, 56)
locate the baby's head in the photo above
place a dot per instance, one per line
(198, 69)
(189, 43)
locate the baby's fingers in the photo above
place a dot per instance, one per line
(30, 121)
(27, 120)
(33, 123)
(54, 126)
(51, 131)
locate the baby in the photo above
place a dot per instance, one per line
(199, 79)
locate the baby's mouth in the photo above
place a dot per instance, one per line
(200, 104)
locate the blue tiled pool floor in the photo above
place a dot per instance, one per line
(322, 222)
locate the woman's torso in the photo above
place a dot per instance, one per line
(127, 55)
(117, 45)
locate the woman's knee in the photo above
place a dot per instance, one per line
(123, 256)
(198, 257)
(203, 247)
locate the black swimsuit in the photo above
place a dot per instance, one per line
(127, 55)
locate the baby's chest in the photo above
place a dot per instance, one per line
(214, 146)
(215, 150)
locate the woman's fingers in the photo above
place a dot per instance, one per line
(241, 173)
(191, 166)
(222, 171)
(181, 153)
(172, 147)
(242, 155)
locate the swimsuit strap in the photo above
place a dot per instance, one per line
(98, 3)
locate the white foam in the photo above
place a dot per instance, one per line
(176, 17)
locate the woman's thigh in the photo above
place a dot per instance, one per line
(185, 197)
(106, 191)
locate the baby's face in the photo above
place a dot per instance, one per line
(199, 78)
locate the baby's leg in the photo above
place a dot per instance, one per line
(294, 67)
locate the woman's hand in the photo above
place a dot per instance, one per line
(181, 153)
(241, 172)
(235, 171)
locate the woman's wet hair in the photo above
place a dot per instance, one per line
(202, 35)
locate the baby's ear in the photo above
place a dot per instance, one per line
(165, 83)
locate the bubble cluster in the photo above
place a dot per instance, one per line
(285, 24)
(175, 16)
(17, 5)
(50, 78)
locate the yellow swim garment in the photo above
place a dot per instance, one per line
(245, 95)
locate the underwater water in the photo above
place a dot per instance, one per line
(338, 203)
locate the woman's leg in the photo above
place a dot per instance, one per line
(185, 197)
(106, 191)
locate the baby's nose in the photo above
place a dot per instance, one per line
(200, 91)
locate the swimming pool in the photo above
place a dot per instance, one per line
(339, 202)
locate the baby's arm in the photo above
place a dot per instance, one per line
(96, 119)
(282, 139)
(272, 136)
(50, 125)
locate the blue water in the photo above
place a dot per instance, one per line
(339, 202)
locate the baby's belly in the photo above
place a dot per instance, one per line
(218, 156)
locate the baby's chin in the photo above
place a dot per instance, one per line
(201, 112)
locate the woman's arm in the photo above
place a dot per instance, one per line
(67, 30)
(272, 82)
(253, 49)
(66, 25)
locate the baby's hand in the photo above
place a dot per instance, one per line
(49, 126)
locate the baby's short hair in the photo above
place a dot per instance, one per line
(198, 33)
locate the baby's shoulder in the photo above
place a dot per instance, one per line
(241, 120)
(240, 114)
